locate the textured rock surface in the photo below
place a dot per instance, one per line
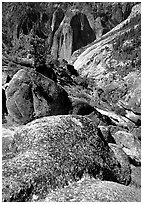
(53, 151)
(135, 176)
(101, 118)
(7, 140)
(111, 64)
(130, 144)
(107, 134)
(31, 95)
(73, 33)
(92, 60)
(123, 160)
(60, 151)
(80, 107)
(90, 190)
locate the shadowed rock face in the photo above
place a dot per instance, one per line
(4, 108)
(82, 32)
(52, 151)
(31, 95)
(80, 107)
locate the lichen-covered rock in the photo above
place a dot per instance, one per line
(90, 190)
(31, 95)
(53, 151)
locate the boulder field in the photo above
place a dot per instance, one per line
(31, 95)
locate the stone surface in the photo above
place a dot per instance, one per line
(95, 58)
(112, 69)
(7, 140)
(57, 17)
(73, 33)
(5, 78)
(80, 107)
(137, 132)
(31, 95)
(101, 118)
(98, 27)
(106, 133)
(117, 14)
(54, 151)
(60, 151)
(130, 144)
(90, 190)
(123, 160)
(135, 176)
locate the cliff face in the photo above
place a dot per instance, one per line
(82, 25)
(65, 27)
(99, 47)
(73, 33)
(113, 62)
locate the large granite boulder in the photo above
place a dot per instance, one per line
(31, 95)
(91, 190)
(52, 152)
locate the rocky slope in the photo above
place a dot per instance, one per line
(93, 157)
(113, 65)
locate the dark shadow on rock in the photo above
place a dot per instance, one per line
(82, 32)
